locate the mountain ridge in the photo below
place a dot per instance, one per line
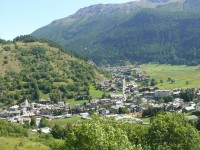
(99, 29)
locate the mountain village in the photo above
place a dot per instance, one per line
(125, 101)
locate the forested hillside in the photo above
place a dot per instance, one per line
(33, 69)
(165, 31)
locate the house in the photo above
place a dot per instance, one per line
(133, 108)
(45, 130)
(13, 108)
(84, 114)
(115, 102)
(61, 104)
(115, 109)
(188, 109)
(198, 107)
(81, 95)
(117, 96)
(176, 91)
(102, 111)
(6, 113)
(45, 101)
(139, 108)
(148, 94)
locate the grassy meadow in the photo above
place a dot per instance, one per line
(183, 76)
(96, 93)
(20, 144)
(76, 102)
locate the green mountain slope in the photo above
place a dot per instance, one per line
(165, 31)
(34, 70)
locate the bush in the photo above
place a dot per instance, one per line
(5, 62)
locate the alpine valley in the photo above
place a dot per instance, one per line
(109, 77)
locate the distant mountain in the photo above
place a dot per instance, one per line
(36, 69)
(158, 1)
(165, 31)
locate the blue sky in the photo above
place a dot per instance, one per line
(20, 17)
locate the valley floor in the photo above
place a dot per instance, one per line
(183, 76)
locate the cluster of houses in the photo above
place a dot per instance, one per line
(131, 98)
(23, 112)
(140, 99)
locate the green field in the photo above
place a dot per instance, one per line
(20, 144)
(76, 102)
(184, 76)
(96, 93)
(64, 121)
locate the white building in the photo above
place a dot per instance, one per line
(162, 93)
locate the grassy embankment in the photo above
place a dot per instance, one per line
(184, 76)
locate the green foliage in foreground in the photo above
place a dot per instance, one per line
(173, 132)
(165, 132)
(97, 134)
(20, 144)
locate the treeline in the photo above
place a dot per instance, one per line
(30, 38)
(166, 132)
